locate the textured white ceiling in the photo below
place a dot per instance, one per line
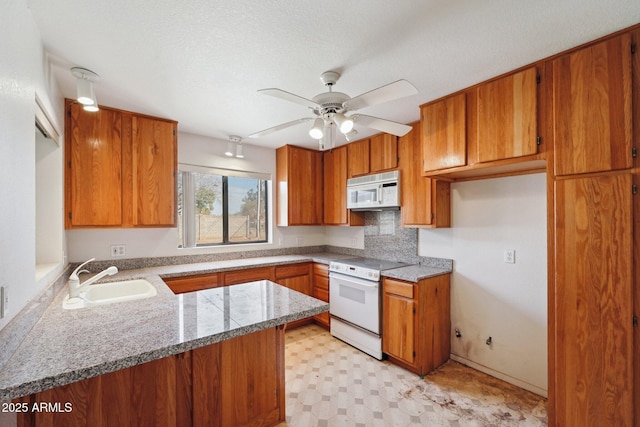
(201, 62)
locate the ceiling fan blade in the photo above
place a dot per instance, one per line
(388, 126)
(280, 127)
(288, 96)
(390, 92)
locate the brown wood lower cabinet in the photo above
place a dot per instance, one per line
(321, 291)
(416, 322)
(237, 382)
(195, 282)
(298, 278)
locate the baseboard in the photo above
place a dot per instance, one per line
(504, 377)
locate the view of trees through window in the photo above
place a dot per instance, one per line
(226, 209)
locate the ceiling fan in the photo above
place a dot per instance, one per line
(330, 109)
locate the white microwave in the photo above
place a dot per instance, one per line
(374, 192)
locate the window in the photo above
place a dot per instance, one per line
(215, 208)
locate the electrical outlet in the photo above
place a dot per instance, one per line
(118, 250)
(510, 256)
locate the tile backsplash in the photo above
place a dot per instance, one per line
(385, 238)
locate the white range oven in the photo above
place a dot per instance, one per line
(355, 302)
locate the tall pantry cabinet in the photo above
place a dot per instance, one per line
(594, 181)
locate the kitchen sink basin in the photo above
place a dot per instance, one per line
(112, 292)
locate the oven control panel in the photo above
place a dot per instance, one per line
(355, 271)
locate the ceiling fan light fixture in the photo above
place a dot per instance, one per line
(316, 130)
(345, 124)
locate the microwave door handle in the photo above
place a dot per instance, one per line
(380, 194)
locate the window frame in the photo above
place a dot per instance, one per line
(225, 174)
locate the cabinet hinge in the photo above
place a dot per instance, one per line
(635, 321)
(174, 132)
(69, 215)
(634, 152)
(634, 189)
(414, 354)
(633, 48)
(538, 140)
(538, 79)
(433, 216)
(69, 164)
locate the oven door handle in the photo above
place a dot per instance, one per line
(351, 280)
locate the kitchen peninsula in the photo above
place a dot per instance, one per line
(214, 356)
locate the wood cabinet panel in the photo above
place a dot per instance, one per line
(592, 108)
(399, 327)
(335, 189)
(94, 167)
(292, 270)
(593, 301)
(320, 279)
(358, 158)
(252, 398)
(243, 276)
(154, 157)
(416, 322)
(443, 133)
(383, 152)
(507, 117)
(425, 202)
(196, 282)
(121, 169)
(298, 186)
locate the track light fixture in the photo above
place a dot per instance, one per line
(84, 88)
(234, 147)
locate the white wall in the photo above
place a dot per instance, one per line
(489, 297)
(23, 73)
(155, 242)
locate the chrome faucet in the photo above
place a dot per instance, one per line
(74, 281)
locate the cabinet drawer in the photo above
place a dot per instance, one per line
(293, 270)
(196, 282)
(320, 269)
(395, 287)
(249, 275)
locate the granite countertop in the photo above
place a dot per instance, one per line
(70, 345)
(414, 273)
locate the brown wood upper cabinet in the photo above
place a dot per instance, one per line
(358, 155)
(120, 169)
(426, 202)
(372, 155)
(298, 186)
(383, 152)
(506, 111)
(444, 137)
(335, 189)
(592, 108)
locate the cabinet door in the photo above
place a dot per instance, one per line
(425, 202)
(444, 133)
(299, 283)
(253, 397)
(506, 117)
(94, 167)
(154, 165)
(196, 282)
(383, 152)
(335, 186)
(593, 301)
(398, 322)
(358, 158)
(592, 108)
(298, 186)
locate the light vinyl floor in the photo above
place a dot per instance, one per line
(329, 383)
